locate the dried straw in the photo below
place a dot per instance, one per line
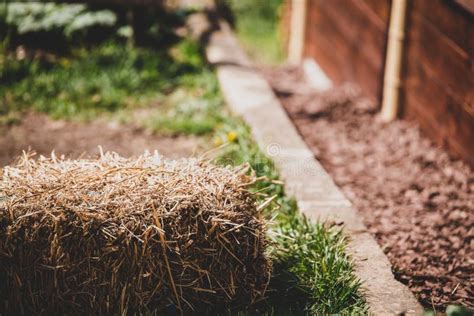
(116, 235)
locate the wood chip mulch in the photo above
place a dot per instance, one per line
(416, 200)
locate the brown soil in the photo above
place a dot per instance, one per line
(73, 139)
(417, 201)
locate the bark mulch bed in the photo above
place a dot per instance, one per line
(416, 200)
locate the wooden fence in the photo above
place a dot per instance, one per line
(348, 39)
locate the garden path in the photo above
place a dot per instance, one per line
(41, 134)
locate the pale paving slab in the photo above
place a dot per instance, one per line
(249, 95)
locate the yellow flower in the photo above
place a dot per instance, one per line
(217, 141)
(65, 62)
(231, 136)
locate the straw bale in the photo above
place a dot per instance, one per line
(115, 235)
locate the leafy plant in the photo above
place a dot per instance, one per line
(69, 18)
(91, 81)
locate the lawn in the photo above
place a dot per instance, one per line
(257, 25)
(113, 79)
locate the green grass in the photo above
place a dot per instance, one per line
(90, 82)
(193, 106)
(312, 272)
(451, 310)
(191, 109)
(177, 86)
(257, 23)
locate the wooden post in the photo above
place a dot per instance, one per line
(393, 63)
(297, 31)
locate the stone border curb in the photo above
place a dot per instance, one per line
(249, 95)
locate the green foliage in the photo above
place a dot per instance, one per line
(456, 310)
(190, 115)
(451, 310)
(263, 9)
(69, 18)
(257, 24)
(195, 107)
(83, 76)
(189, 52)
(86, 20)
(103, 79)
(314, 255)
(312, 272)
